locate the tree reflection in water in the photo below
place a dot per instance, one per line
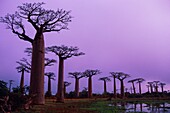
(136, 106)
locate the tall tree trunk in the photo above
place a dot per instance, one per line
(37, 70)
(77, 87)
(60, 92)
(105, 90)
(140, 89)
(64, 90)
(49, 86)
(90, 87)
(115, 94)
(134, 88)
(122, 89)
(162, 89)
(22, 82)
(151, 88)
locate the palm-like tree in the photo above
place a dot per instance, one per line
(114, 75)
(121, 76)
(156, 85)
(66, 84)
(63, 52)
(133, 85)
(139, 81)
(105, 79)
(22, 68)
(77, 76)
(151, 86)
(89, 74)
(51, 76)
(162, 86)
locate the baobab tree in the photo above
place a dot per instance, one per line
(105, 79)
(89, 74)
(22, 68)
(63, 52)
(42, 21)
(162, 86)
(133, 85)
(121, 76)
(151, 86)
(27, 64)
(51, 76)
(155, 83)
(114, 75)
(66, 84)
(139, 81)
(77, 76)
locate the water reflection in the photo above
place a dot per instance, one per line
(151, 107)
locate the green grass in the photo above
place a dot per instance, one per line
(103, 107)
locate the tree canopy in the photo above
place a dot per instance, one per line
(42, 20)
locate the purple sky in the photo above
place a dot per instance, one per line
(132, 36)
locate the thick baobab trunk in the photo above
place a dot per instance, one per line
(105, 90)
(60, 91)
(134, 90)
(140, 89)
(122, 89)
(37, 70)
(22, 82)
(115, 94)
(90, 87)
(77, 87)
(49, 86)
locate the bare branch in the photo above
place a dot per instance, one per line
(50, 75)
(14, 23)
(76, 75)
(65, 52)
(23, 64)
(49, 62)
(107, 79)
(66, 83)
(90, 73)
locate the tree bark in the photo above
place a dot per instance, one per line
(134, 88)
(37, 70)
(151, 88)
(49, 86)
(162, 89)
(77, 87)
(22, 82)
(140, 89)
(105, 90)
(60, 92)
(115, 94)
(122, 89)
(90, 87)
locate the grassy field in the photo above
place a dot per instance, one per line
(72, 106)
(80, 106)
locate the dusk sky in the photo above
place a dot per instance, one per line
(131, 36)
